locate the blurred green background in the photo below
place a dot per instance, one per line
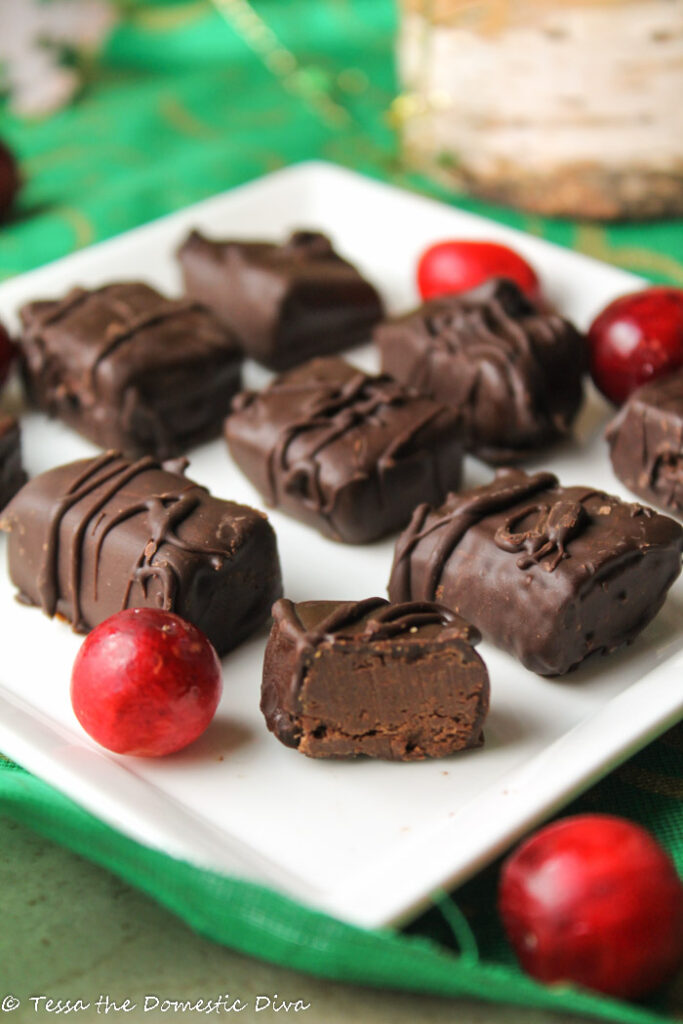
(190, 97)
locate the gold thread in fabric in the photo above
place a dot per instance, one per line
(593, 241)
(182, 120)
(651, 782)
(82, 227)
(159, 19)
(280, 61)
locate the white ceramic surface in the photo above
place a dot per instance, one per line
(367, 841)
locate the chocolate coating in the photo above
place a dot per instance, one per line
(98, 535)
(345, 452)
(512, 373)
(129, 368)
(286, 303)
(12, 475)
(399, 682)
(646, 442)
(551, 574)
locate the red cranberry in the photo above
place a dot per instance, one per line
(6, 354)
(9, 179)
(458, 265)
(637, 337)
(594, 900)
(145, 682)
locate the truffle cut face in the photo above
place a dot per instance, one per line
(397, 682)
(130, 369)
(344, 451)
(512, 372)
(286, 303)
(551, 574)
(12, 475)
(95, 536)
(646, 442)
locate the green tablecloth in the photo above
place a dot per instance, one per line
(190, 99)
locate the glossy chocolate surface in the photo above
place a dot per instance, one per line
(286, 303)
(646, 443)
(399, 682)
(95, 536)
(12, 475)
(551, 574)
(129, 368)
(514, 374)
(346, 452)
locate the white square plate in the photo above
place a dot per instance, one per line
(367, 841)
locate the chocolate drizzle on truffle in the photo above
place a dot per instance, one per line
(164, 513)
(553, 527)
(332, 415)
(512, 371)
(114, 468)
(119, 332)
(93, 537)
(129, 368)
(506, 491)
(345, 451)
(571, 573)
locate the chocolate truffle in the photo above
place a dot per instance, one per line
(513, 373)
(98, 535)
(286, 303)
(551, 574)
(343, 451)
(12, 475)
(396, 681)
(646, 442)
(129, 368)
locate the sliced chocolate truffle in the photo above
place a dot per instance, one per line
(129, 368)
(513, 373)
(98, 535)
(396, 681)
(551, 574)
(343, 451)
(646, 442)
(286, 303)
(12, 475)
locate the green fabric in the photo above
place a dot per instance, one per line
(182, 107)
(264, 924)
(188, 101)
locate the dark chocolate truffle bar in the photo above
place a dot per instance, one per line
(129, 368)
(549, 573)
(98, 535)
(343, 451)
(399, 682)
(646, 442)
(286, 303)
(513, 373)
(12, 475)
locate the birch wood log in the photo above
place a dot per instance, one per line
(561, 108)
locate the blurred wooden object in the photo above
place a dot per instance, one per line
(572, 109)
